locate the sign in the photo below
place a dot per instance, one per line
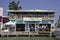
(1, 11)
(32, 19)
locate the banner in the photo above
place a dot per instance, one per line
(32, 19)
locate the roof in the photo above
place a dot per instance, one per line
(9, 23)
(31, 11)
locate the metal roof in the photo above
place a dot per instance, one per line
(30, 11)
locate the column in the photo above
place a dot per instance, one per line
(35, 27)
(26, 27)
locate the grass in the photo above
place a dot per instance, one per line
(24, 38)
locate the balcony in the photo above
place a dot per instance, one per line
(21, 16)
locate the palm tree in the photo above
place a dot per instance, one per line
(14, 6)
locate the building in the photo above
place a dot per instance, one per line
(32, 20)
(1, 20)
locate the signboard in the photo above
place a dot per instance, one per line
(32, 19)
(1, 11)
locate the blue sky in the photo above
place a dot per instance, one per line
(34, 4)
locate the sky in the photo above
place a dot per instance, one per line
(33, 5)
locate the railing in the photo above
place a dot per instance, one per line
(26, 33)
(31, 16)
(43, 18)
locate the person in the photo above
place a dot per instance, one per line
(32, 28)
(47, 28)
(40, 28)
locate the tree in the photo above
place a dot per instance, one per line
(14, 6)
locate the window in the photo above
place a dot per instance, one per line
(20, 27)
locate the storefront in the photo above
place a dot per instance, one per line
(29, 26)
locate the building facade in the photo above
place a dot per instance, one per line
(32, 20)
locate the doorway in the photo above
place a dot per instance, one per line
(32, 27)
